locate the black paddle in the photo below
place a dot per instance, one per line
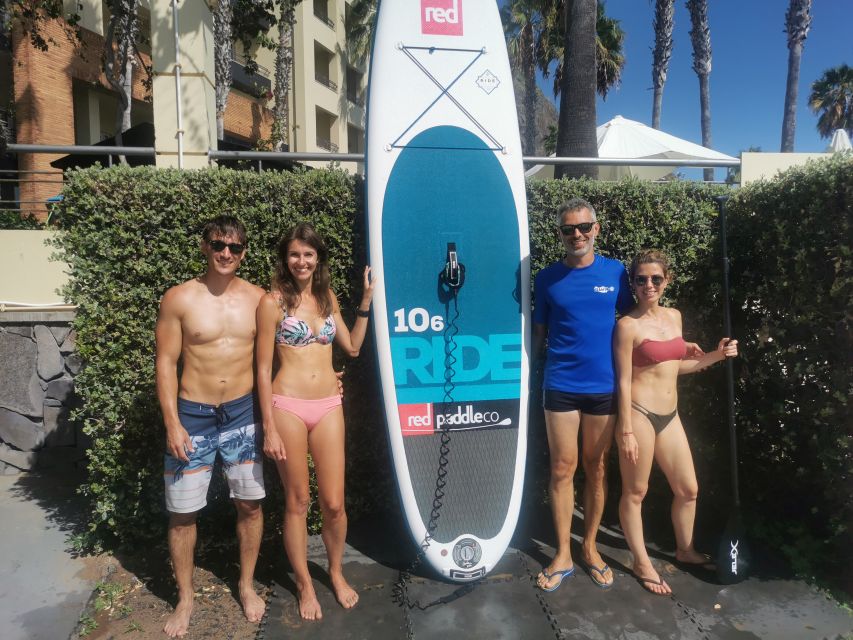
(733, 556)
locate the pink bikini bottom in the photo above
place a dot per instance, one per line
(309, 411)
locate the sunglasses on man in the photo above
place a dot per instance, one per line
(640, 281)
(236, 248)
(569, 229)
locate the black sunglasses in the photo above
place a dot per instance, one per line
(641, 280)
(236, 248)
(569, 229)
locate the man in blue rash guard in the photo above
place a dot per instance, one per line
(576, 304)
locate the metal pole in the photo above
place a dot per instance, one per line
(727, 326)
(180, 132)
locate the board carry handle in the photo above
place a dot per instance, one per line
(453, 275)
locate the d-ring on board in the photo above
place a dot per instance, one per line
(445, 91)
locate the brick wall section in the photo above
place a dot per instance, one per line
(43, 82)
(44, 106)
(245, 118)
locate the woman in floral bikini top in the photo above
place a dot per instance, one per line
(301, 407)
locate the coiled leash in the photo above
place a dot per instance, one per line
(450, 279)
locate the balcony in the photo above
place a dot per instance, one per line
(325, 81)
(328, 145)
(250, 78)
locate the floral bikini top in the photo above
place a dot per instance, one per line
(297, 333)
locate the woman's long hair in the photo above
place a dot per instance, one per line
(284, 282)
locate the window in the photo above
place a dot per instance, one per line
(323, 59)
(354, 82)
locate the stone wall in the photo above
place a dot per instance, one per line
(37, 391)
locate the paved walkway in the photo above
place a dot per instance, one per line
(506, 605)
(43, 587)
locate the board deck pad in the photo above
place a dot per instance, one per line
(444, 172)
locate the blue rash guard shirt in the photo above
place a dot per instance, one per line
(579, 305)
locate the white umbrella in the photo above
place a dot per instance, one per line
(840, 142)
(623, 138)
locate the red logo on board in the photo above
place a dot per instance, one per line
(416, 419)
(441, 17)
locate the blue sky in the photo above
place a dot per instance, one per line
(749, 68)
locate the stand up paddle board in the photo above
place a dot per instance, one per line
(449, 245)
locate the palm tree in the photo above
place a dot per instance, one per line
(223, 52)
(522, 20)
(359, 27)
(120, 57)
(700, 37)
(609, 39)
(609, 59)
(832, 98)
(663, 25)
(576, 125)
(283, 64)
(798, 19)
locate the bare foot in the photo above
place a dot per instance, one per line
(253, 605)
(599, 572)
(346, 595)
(693, 557)
(309, 606)
(178, 623)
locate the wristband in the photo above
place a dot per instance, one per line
(362, 314)
(628, 433)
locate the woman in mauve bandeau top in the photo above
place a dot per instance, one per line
(297, 323)
(650, 354)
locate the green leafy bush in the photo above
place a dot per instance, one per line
(129, 234)
(792, 278)
(10, 219)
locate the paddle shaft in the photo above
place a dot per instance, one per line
(730, 378)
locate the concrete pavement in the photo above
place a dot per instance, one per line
(770, 604)
(43, 587)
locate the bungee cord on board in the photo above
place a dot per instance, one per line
(451, 279)
(445, 92)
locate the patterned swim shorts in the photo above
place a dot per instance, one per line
(227, 429)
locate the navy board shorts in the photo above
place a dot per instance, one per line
(229, 430)
(593, 404)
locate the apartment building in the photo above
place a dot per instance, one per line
(329, 86)
(61, 97)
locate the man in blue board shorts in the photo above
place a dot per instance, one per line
(208, 324)
(577, 300)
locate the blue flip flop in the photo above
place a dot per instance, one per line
(566, 573)
(601, 585)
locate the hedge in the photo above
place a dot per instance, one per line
(792, 278)
(12, 219)
(129, 234)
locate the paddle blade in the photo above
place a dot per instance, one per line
(733, 556)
